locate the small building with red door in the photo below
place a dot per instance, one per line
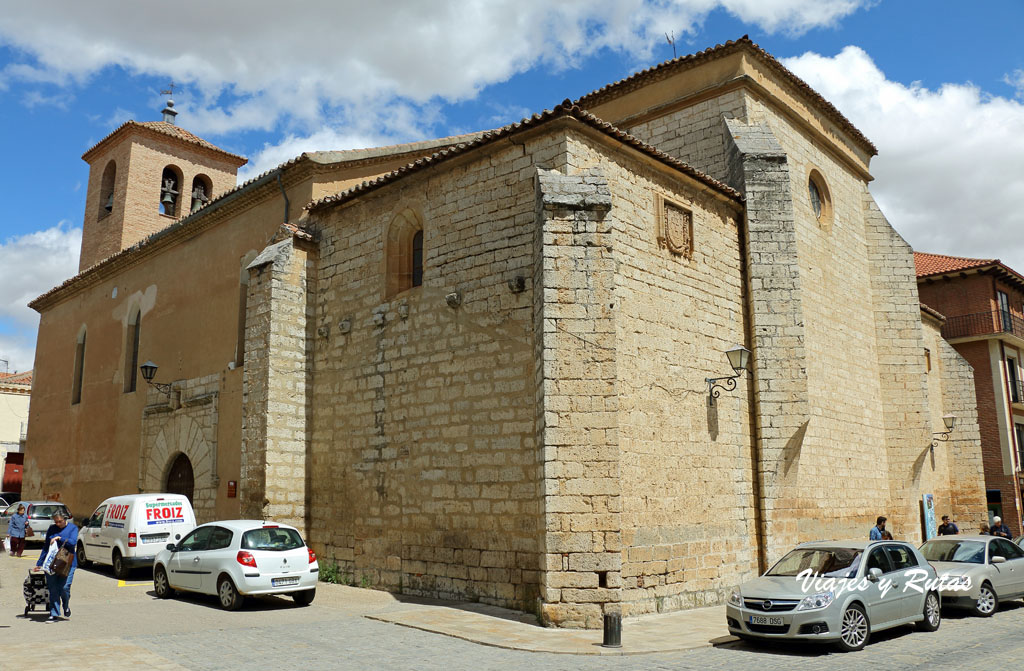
(983, 302)
(15, 389)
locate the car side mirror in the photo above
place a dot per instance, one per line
(172, 547)
(874, 574)
(997, 559)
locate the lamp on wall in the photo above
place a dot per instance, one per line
(943, 436)
(149, 372)
(739, 358)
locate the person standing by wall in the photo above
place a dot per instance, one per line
(1000, 529)
(66, 534)
(876, 531)
(16, 531)
(948, 528)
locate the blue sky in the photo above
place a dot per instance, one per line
(937, 86)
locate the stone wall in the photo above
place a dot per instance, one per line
(425, 471)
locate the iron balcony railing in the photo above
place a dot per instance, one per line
(1017, 395)
(983, 323)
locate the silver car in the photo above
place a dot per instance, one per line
(837, 591)
(39, 513)
(979, 571)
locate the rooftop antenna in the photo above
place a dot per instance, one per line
(169, 112)
(6, 364)
(671, 39)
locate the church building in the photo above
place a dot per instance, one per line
(619, 356)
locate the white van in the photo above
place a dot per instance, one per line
(127, 531)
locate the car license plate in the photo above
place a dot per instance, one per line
(285, 582)
(771, 621)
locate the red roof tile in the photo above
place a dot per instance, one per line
(170, 130)
(937, 264)
(24, 377)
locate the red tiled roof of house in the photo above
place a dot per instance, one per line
(24, 377)
(937, 264)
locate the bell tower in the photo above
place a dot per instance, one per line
(143, 177)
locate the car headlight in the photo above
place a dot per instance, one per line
(816, 601)
(735, 599)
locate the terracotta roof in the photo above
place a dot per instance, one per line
(662, 70)
(170, 130)
(937, 264)
(565, 110)
(24, 377)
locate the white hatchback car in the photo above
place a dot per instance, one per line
(237, 558)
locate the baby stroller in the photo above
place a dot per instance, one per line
(36, 592)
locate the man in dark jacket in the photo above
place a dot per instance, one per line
(65, 534)
(1000, 529)
(948, 528)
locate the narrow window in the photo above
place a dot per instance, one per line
(1013, 380)
(927, 360)
(243, 304)
(170, 190)
(107, 189)
(820, 199)
(1004, 311)
(417, 259)
(1019, 431)
(76, 385)
(131, 358)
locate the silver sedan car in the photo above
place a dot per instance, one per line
(979, 571)
(837, 591)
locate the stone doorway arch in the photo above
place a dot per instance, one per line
(181, 478)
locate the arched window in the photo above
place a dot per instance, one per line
(76, 384)
(405, 253)
(820, 199)
(202, 190)
(107, 189)
(131, 351)
(170, 191)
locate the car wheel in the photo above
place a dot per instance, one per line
(161, 585)
(305, 597)
(854, 629)
(80, 551)
(987, 602)
(120, 570)
(230, 599)
(932, 613)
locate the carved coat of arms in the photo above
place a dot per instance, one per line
(676, 229)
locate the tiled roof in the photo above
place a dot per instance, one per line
(937, 264)
(566, 109)
(24, 377)
(633, 82)
(169, 129)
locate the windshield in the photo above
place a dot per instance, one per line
(832, 562)
(45, 511)
(968, 552)
(271, 538)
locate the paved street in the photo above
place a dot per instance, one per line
(119, 624)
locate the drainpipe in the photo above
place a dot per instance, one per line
(283, 195)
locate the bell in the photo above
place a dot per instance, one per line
(168, 199)
(110, 202)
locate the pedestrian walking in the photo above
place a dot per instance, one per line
(876, 531)
(1000, 529)
(16, 531)
(948, 527)
(65, 533)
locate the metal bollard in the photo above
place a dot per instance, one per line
(612, 630)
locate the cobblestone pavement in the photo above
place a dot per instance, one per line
(120, 624)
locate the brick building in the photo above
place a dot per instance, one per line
(477, 367)
(983, 302)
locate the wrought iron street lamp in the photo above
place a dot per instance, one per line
(739, 359)
(943, 436)
(149, 372)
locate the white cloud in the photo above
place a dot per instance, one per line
(249, 65)
(30, 265)
(1016, 80)
(948, 174)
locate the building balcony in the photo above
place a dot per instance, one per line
(983, 324)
